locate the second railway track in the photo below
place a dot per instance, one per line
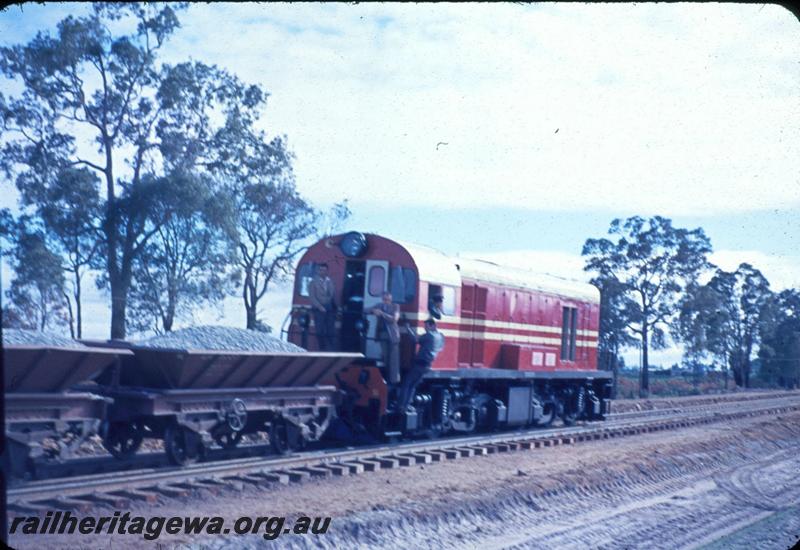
(119, 489)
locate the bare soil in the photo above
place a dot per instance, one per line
(656, 403)
(731, 484)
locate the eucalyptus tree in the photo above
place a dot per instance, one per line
(71, 211)
(613, 333)
(36, 296)
(780, 339)
(725, 318)
(95, 95)
(189, 262)
(652, 262)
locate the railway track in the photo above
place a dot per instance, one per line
(120, 489)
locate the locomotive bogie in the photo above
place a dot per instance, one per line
(450, 406)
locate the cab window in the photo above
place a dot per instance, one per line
(376, 278)
(305, 273)
(403, 285)
(448, 294)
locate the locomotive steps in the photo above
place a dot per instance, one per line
(118, 489)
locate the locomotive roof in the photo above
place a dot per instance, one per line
(437, 267)
(433, 266)
(482, 270)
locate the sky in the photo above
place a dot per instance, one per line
(515, 132)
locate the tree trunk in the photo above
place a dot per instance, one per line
(251, 317)
(250, 301)
(168, 318)
(78, 312)
(71, 318)
(736, 367)
(746, 360)
(644, 390)
(119, 290)
(119, 302)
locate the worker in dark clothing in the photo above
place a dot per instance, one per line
(435, 306)
(430, 344)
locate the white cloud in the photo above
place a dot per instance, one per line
(674, 109)
(781, 271)
(678, 110)
(663, 108)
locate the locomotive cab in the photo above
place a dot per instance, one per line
(361, 275)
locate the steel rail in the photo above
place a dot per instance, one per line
(83, 492)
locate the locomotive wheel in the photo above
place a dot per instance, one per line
(569, 415)
(228, 440)
(122, 439)
(183, 446)
(548, 415)
(483, 403)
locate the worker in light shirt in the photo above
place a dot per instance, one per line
(388, 314)
(321, 291)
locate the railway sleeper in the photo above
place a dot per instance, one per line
(135, 494)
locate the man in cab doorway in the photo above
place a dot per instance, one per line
(388, 314)
(321, 291)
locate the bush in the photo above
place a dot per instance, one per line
(675, 386)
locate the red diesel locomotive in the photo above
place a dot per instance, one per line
(520, 347)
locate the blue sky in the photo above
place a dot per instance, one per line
(553, 119)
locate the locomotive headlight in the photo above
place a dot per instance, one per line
(353, 244)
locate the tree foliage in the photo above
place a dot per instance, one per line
(274, 223)
(36, 296)
(780, 340)
(652, 262)
(99, 99)
(71, 212)
(725, 317)
(613, 333)
(188, 261)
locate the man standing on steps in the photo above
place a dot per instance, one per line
(388, 332)
(430, 344)
(321, 292)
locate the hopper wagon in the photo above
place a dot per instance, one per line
(44, 417)
(191, 398)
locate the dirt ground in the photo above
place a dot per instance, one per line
(656, 403)
(726, 485)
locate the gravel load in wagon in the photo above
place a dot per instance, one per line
(225, 357)
(40, 362)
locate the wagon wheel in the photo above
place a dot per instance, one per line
(183, 446)
(228, 440)
(279, 436)
(122, 439)
(284, 436)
